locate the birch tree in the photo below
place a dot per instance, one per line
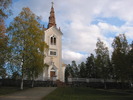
(119, 57)
(28, 46)
(102, 60)
(4, 13)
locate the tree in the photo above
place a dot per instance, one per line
(5, 10)
(4, 13)
(75, 69)
(90, 67)
(67, 73)
(3, 48)
(15, 75)
(28, 46)
(102, 60)
(119, 57)
(72, 70)
(3, 73)
(82, 72)
(130, 62)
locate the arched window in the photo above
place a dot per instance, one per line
(53, 40)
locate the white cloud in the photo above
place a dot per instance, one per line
(75, 17)
(107, 27)
(119, 8)
(69, 56)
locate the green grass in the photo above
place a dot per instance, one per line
(68, 93)
(8, 90)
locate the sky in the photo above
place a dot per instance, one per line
(83, 22)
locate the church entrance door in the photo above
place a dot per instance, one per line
(52, 74)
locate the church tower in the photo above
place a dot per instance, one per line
(53, 38)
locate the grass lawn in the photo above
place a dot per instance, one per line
(7, 90)
(68, 93)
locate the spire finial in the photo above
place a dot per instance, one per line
(52, 3)
(52, 17)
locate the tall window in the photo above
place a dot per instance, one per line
(53, 40)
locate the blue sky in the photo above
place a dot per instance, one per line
(110, 20)
(82, 22)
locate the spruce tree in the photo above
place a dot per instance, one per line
(82, 72)
(90, 67)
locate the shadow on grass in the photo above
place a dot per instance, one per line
(87, 94)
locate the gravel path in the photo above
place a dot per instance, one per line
(36, 93)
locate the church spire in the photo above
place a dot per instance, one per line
(52, 17)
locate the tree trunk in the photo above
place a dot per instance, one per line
(21, 83)
(105, 85)
(32, 85)
(131, 84)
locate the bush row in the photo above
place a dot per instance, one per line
(27, 83)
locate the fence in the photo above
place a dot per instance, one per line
(89, 80)
(97, 83)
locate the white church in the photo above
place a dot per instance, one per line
(53, 38)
